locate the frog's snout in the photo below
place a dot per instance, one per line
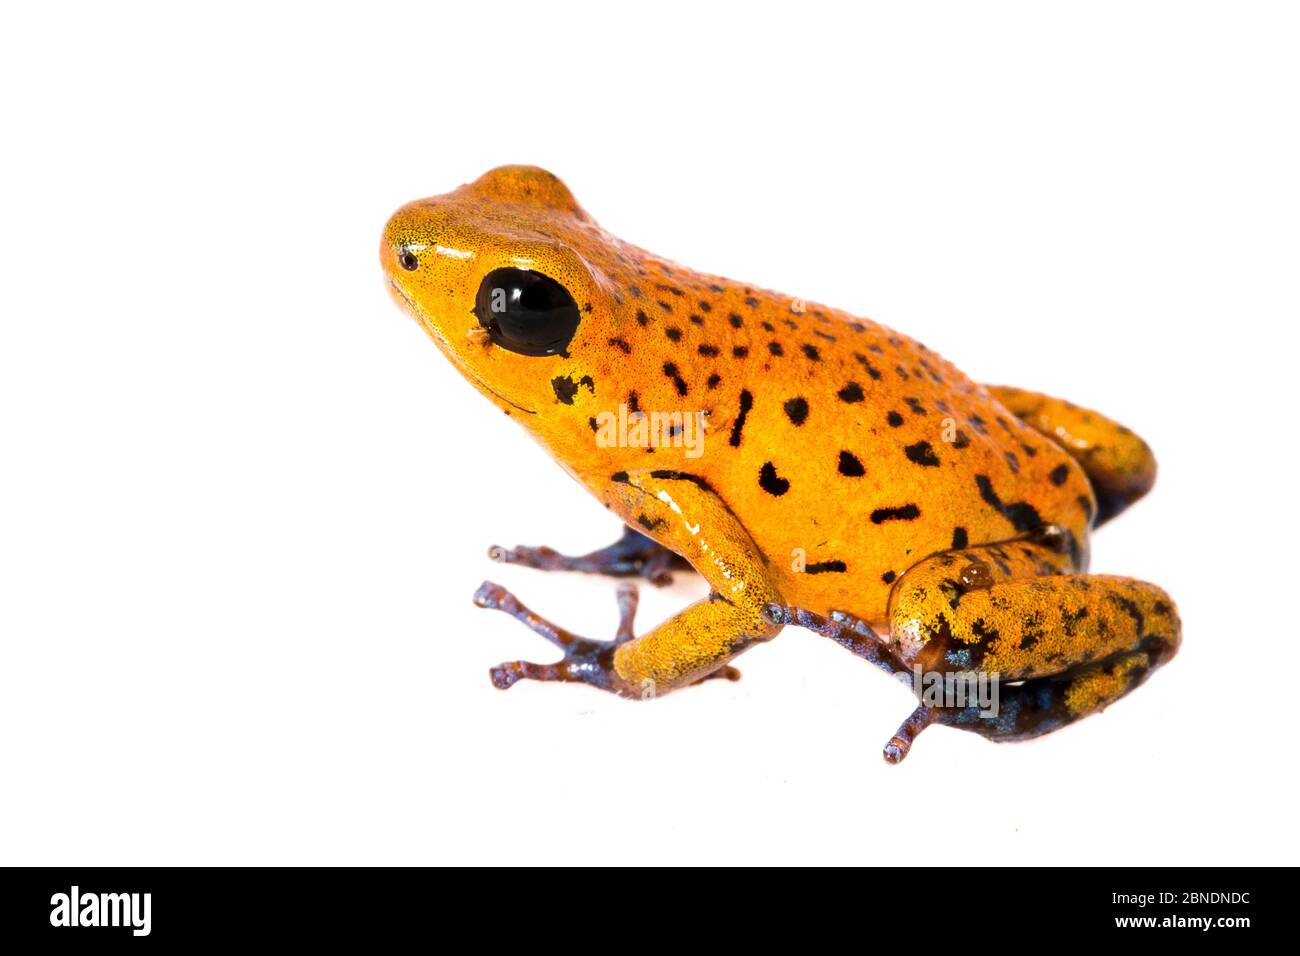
(400, 258)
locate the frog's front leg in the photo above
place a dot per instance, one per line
(691, 520)
(632, 555)
(584, 661)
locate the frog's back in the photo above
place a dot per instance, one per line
(849, 451)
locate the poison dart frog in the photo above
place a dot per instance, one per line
(842, 477)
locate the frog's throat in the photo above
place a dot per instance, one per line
(445, 347)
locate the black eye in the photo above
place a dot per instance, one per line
(406, 259)
(526, 312)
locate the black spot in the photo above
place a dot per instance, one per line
(825, 335)
(866, 364)
(673, 333)
(986, 633)
(642, 318)
(905, 513)
(961, 441)
(1022, 515)
(697, 319)
(812, 353)
(621, 345)
(1131, 609)
(894, 419)
(922, 454)
(663, 305)
(648, 523)
(959, 539)
(916, 407)
(850, 466)
(851, 393)
(888, 577)
(769, 326)
(708, 351)
(1059, 474)
(824, 567)
(1012, 461)
(770, 482)
(670, 369)
(746, 403)
(682, 476)
(705, 306)
(775, 348)
(633, 402)
(735, 320)
(714, 380)
(619, 477)
(796, 409)
(565, 387)
(740, 351)
(751, 302)
(591, 423)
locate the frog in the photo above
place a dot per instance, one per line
(846, 479)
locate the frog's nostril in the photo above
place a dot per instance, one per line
(407, 260)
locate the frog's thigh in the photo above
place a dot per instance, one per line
(1118, 463)
(1078, 642)
(692, 520)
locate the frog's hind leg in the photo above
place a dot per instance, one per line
(1004, 641)
(632, 555)
(585, 661)
(1118, 463)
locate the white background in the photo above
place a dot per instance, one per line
(241, 527)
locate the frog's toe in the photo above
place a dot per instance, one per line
(727, 672)
(901, 743)
(632, 555)
(585, 661)
(504, 676)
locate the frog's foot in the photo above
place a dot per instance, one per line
(632, 555)
(856, 635)
(585, 661)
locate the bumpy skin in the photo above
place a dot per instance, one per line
(839, 456)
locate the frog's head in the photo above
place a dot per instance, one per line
(493, 273)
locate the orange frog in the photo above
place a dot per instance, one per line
(817, 469)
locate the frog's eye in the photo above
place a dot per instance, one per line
(526, 312)
(407, 260)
